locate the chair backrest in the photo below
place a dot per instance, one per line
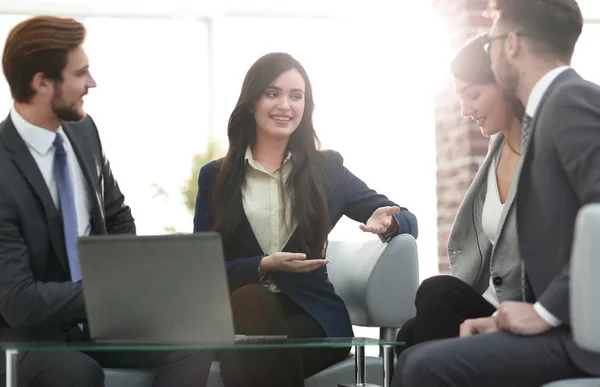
(377, 281)
(585, 271)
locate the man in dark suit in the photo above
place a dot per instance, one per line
(57, 185)
(530, 343)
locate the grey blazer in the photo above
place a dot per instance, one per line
(472, 257)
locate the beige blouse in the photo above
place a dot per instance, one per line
(263, 206)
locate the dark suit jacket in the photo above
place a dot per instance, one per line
(348, 195)
(38, 301)
(560, 173)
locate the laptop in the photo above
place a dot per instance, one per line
(167, 289)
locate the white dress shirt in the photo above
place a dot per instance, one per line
(40, 141)
(533, 102)
(535, 97)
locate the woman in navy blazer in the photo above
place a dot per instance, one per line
(274, 198)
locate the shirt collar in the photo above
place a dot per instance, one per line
(40, 139)
(250, 159)
(535, 97)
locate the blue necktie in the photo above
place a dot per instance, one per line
(67, 206)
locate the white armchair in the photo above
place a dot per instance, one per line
(585, 288)
(378, 282)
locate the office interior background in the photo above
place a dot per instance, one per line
(169, 73)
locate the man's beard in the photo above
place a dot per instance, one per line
(63, 111)
(507, 77)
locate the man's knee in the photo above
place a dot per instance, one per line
(414, 371)
(419, 366)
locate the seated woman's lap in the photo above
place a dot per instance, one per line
(258, 311)
(442, 303)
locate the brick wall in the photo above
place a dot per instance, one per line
(460, 147)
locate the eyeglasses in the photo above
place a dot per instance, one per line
(487, 40)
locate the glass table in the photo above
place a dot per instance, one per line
(12, 350)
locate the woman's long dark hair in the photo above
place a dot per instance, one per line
(305, 186)
(472, 64)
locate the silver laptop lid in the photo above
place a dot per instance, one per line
(156, 289)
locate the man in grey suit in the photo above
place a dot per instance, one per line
(56, 185)
(530, 343)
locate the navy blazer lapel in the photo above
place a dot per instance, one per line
(29, 169)
(87, 162)
(246, 229)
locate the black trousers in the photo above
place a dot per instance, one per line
(78, 369)
(442, 302)
(257, 311)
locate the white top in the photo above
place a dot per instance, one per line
(490, 220)
(40, 141)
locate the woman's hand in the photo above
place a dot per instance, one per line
(290, 262)
(382, 221)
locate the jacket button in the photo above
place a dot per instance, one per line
(497, 281)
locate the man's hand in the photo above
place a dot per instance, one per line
(478, 326)
(521, 318)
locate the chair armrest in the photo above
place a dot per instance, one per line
(584, 284)
(377, 281)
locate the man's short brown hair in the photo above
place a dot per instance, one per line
(39, 44)
(553, 25)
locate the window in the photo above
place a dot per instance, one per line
(7, 22)
(151, 108)
(585, 60)
(590, 9)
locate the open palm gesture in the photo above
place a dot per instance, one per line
(381, 220)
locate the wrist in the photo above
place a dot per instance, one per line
(392, 228)
(263, 266)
